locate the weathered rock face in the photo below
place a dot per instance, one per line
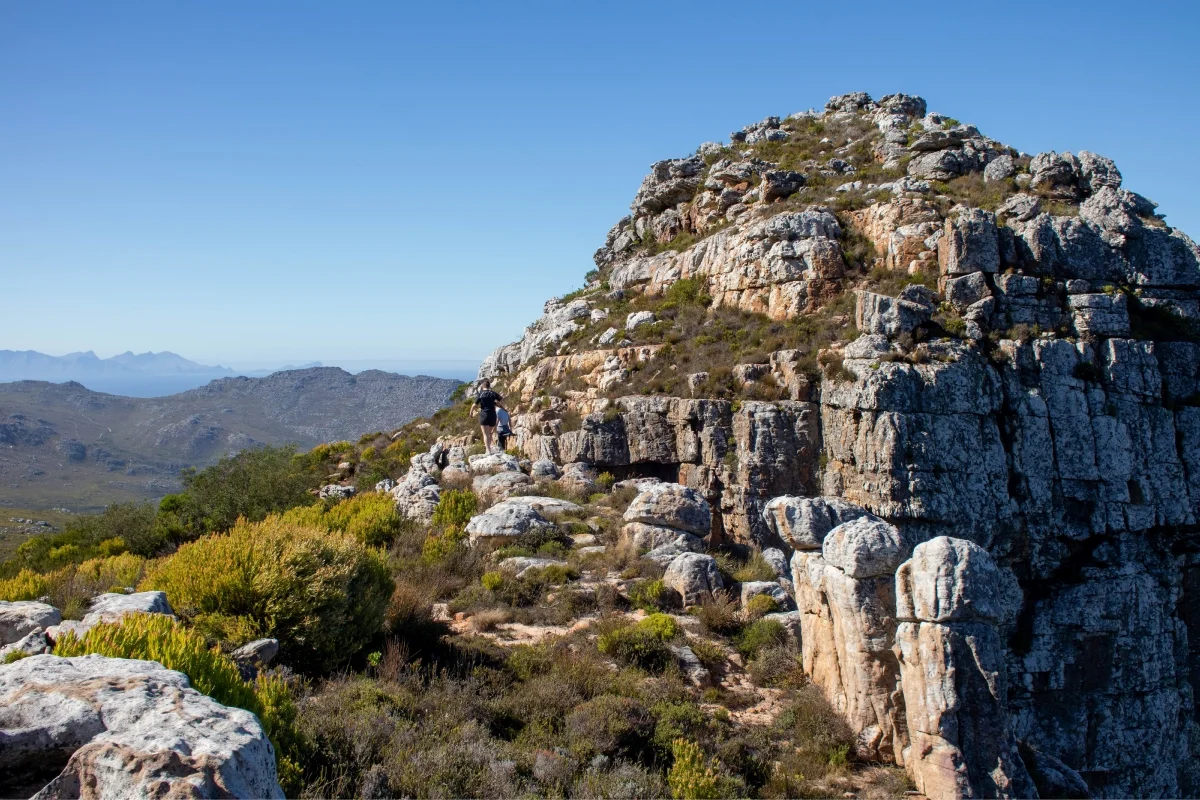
(952, 599)
(123, 728)
(1057, 430)
(19, 619)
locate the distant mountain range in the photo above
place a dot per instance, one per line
(132, 374)
(64, 445)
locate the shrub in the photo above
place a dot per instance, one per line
(120, 527)
(691, 777)
(642, 645)
(455, 509)
(26, 585)
(650, 595)
(251, 484)
(760, 635)
(370, 518)
(720, 614)
(611, 725)
(157, 637)
(605, 480)
(492, 581)
(777, 666)
(322, 595)
(756, 568)
(761, 605)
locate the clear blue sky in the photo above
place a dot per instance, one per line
(294, 181)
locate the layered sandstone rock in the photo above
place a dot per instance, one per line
(1040, 409)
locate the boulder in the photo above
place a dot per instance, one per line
(648, 537)
(966, 290)
(888, 316)
(500, 485)
(335, 491)
(970, 243)
(803, 522)
(665, 553)
(671, 505)
(112, 607)
(1000, 168)
(260, 651)
(545, 469)
(948, 580)
(505, 521)
(694, 576)
(491, 464)
(580, 476)
(544, 505)
(30, 644)
(778, 561)
(19, 619)
(127, 728)
(638, 318)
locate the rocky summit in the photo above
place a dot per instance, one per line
(957, 383)
(865, 464)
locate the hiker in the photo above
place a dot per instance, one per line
(487, 401)
(503, 428)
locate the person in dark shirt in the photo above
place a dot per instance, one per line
(487, 402)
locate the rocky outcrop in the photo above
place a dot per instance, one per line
(1030, 394)
(113, 727)
(112, 607)
(953, 601)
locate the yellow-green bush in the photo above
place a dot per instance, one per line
(156, 637)
(760, 605)
(455, 509)
(25, 585)
(323, 595)
(371, 518)
(691, 776)
(643, 644)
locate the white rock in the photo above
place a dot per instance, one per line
(544, 505)
(19, 619)
(694, 576)
(491, 464)
(136, 729)
(505, 521)
(671, 505)
(639, 318)
(520, 565)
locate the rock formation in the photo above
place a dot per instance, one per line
(983, 462)
(112, 727)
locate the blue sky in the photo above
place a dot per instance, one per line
(291, 181)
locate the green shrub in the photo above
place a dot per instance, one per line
(370, 518)
(605, 480)
(492, 581)
(692, 777)
(642, 645)
(756, 568)
(761, 605)
(650, 595)
(157, 637)
(323, 595)
(251, 484)
(455, 509)
(760, 635)
(120, 527)
(25, 585)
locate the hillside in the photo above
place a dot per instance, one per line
(865, 464)
(62, 445)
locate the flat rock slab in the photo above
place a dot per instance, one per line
(127, 728)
